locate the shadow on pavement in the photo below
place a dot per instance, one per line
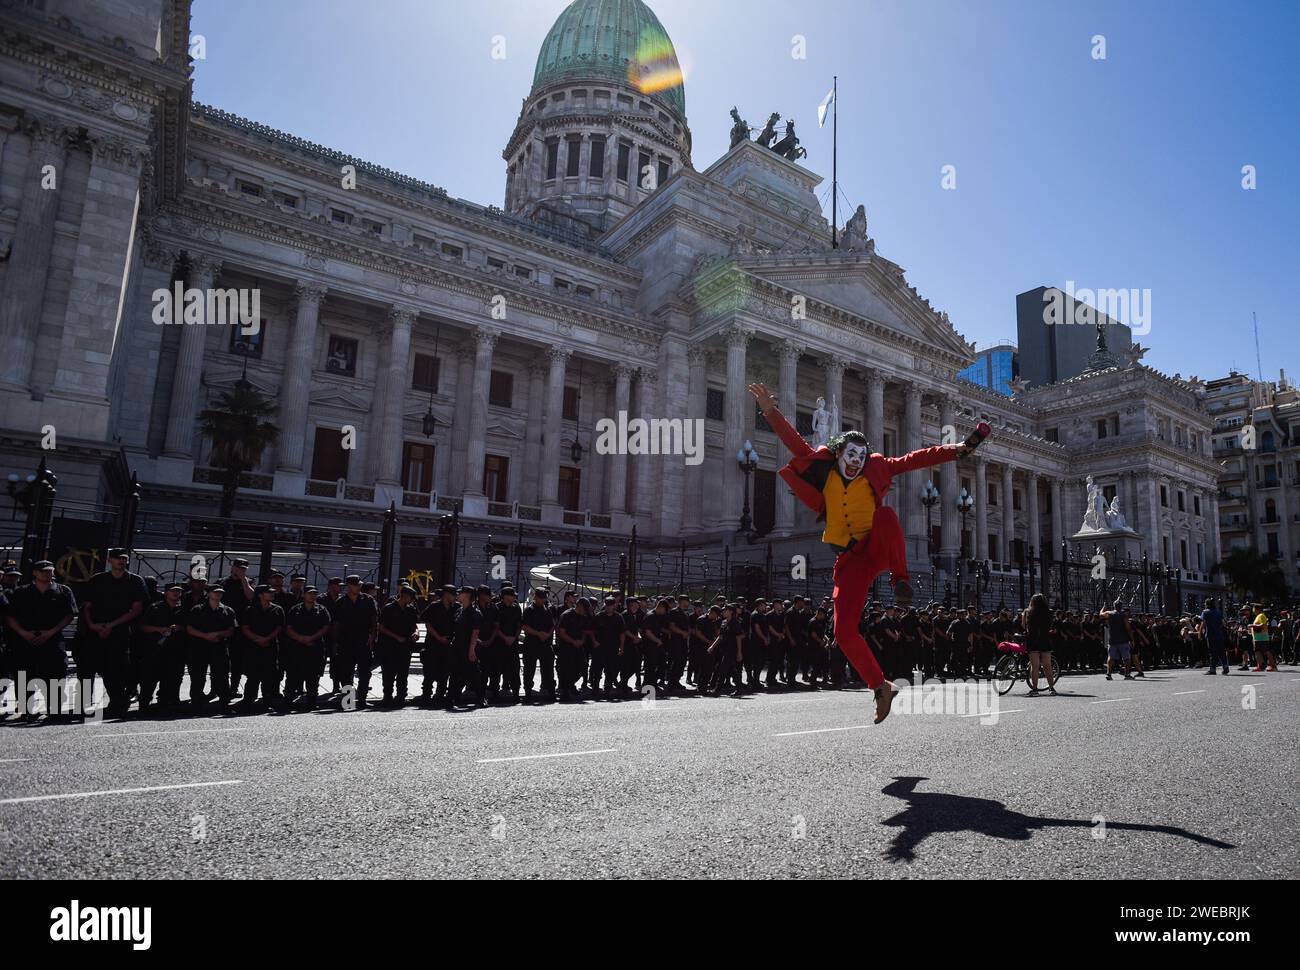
(931, 812)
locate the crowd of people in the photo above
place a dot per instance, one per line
(270, 646)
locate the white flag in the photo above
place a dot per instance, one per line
(824, 107)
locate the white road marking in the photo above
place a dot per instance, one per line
(1180, 693)
(114, 791)
(795, 734)
(12, 761)
(145, 734)
(1014, 710)
(536, 757)
(1114, 700)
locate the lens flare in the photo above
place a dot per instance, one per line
(654, 68)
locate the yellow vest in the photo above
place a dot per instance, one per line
(850, 509)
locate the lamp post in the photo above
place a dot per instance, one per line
(930, 498)
(747, 459)
(964, 505)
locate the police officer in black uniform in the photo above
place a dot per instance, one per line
(679, 637)
(487, 638)
(37, 615)
(261, 627)
(397, 638)
(355, 617)
(210, 629)
(465, 673)
(112, 602)
(630, 661)
(237, 595)
(539, 628)
(307, 627)
(162, 648)
(439, 627)
(654, 645)
(509, 624)
(571, 635)
(608, 630)
(333, 592)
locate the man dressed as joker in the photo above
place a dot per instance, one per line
(846, 485)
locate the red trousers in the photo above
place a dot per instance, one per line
(855, 570)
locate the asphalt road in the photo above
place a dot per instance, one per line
(1177, 775)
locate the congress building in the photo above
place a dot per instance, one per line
(436, 355)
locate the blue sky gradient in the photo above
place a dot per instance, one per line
(1122, 173)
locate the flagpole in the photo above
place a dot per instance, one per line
(835, 167)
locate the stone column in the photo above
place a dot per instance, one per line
(187, 384)
(647, 470)
(697, 361)
(787, 398)
(533, 434)
(876, 410)
(950, 528)
(295, 387)
(1155, 550)
(1130, 501)
(23, 297)
(733, 482)
(617, 463)
(981, 508)
(485, 342)
(910, 502)
(464, 358)
(397, 378)
(1008, 514)
(1058, 516)
(834, 368)
(549, 489)
(1035, 530)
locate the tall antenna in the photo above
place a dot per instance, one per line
(1259, 367)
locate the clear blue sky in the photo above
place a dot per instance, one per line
(1121, 173)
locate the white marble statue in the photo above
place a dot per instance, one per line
(1101, 517)
(825, 424)
(1115, 518)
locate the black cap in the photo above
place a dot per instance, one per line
(335, 581)
(262, 588)
(43, 564)
(353, 580)
(118, 554)
(467, 589)
(175, 586)
(297, 576)
(541, 591)
(449, 588)
(609, 598)
(310, 589)
(508, 591)
(11, 571)
(239, 562)
(406, 591)
(213, 588)
(484, 589)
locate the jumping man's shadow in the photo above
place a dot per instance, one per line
(930, 812)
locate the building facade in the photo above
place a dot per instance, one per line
(1256, 436)
(617, 278)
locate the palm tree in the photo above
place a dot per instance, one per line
(1252, 573)
(240, 433)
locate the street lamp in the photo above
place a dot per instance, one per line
(930, 498)
(964, 504)
(747, 459)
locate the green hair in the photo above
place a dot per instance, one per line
(836, 444)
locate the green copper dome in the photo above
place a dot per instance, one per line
(620, 41)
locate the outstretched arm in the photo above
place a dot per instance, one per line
(784, 430)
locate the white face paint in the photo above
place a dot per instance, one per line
(852, 458)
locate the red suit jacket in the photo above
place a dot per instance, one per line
(806, 473)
